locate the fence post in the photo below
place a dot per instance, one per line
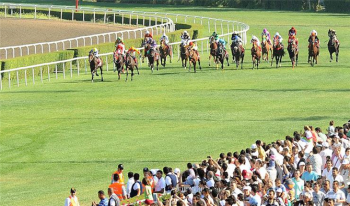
(49, 12)
(25, 76)
(85, 66)
(94, 16)
(56, 70)
(41, 74)
(222, 28)
(0, 82)
(78, 67)
(209, 25)
(107, 62)
(72, 14)
(83, 15)
(114, 18)
(48, 72)
(137, 20)
(17, 78)
(64, 72)
(61, 14)
(9, 79)
(104, 17)
(33, 75)
(35, 12)
(20, 12)
(130, 20)
(122, 19)
(71, 70)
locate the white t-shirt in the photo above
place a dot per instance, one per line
(339, 178)
(316, 161)
(324, 154)
(160, 185)
(136, 187)
(131, 181)
(345, 174)
(210, 183)
(273, 174)
(339, 195)
(262, 171)
(230, 169)
(327, 174)
(331, 131)
(348, 198)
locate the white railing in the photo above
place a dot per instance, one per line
(52, 67)
(169, 26)
(166, 25)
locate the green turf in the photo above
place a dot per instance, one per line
(71, 132)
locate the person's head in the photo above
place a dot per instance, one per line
(329, 164)
(309, 167)
(318, 130)
(314, 150)
(110, 191)
(130, 175)
(258, 143)
(307, 128)
(331, 123)
(335, 185)
(279, 192)
(136, 176)
(246, 190)
(297, 174)
(271, 194)
(329, 202)
(307, 197)
(326, 185)
(205, 192)
(254, 189)
(301, 154)
(159, 174)
(101, 195)
(146, 172)
(120, 168)
(229, 202)
(335, 171)
(278, 182)
(145, 181)
(210, 174)
(166, 170)
(73, 191)
(116, 177)
(189, 165)
(317, 186)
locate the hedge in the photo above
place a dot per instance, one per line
(33, 60)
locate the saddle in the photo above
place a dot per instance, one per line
(99, 62)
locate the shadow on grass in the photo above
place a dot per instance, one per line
(34, 91)
(313, 118)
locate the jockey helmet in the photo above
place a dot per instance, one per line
(214, 33)
(313, 32)
(277, 34)
(185, 33)
(147, 32)
(132, 48)
(292, 28)
(164, 34)
(265, 30)
(191, 43)
(95, 50)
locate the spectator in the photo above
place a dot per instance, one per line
(72, 199)
(120, 173)
(113, 198)
(337, 194)
(170, 180)
(331, 129)
(336, 177)
(318, 196)
(136, 188)
(309, 175)
(129, 184)
(148, 191)
(316, 161)
(327, 172)
(160, 186)
(298, 184)
(326, 152)
(103, 199)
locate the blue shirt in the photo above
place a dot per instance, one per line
(309, 176)
(103, 202)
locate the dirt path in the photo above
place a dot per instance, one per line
(27, 31)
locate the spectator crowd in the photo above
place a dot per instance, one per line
(308, 168)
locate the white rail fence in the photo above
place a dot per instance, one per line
(53, 72)
(169, 26)
(140, 19)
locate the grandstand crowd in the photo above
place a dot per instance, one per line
(309, 168)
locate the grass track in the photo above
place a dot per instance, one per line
(73, 133)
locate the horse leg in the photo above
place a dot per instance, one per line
(92, 76)
(194, 67)
(132, 73)
(336, 55)
(228, 63)
(157, 64)
(209, 58)
(127, 73)
(118, 75)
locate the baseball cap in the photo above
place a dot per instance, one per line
(301, 163)
(253, 146)
(176, 170)
(279, 190)
(145, 169)
(73, 190)
(247, 188)
(325, 144)
(121, 166)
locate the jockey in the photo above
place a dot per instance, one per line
(120, 47)
(236, 39)
(317, 41)
(185, 38)
(148, 36)
(278, 37)
(267, 34)
(194, 47)
(132, 53)
(292, 36)
(152, 43)
(255, 39)
(216, 37)
(94, 51)
(165, 39)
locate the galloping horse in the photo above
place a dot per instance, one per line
(266, 48)
(256, 55)
(237, 54)
(313, 51)
(333, 46)
(213, 50)
(130, 65)
(153, 56)
(293, 52)
(95, 63)
(184, 55)
(278, 52)
(194, 58)
(165, 50)
(119, 63)
(221, 56)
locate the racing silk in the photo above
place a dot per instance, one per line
(279, 37)
(185, 39)
(152, 42)
(267, 34)
(237, 39)
(148, 35)
(216, 37)
(235, 36)
(255, 39)
(223, 42)
(132, 51)
(120, 48)
(292, 32)
(165, 38)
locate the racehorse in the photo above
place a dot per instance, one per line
(333, 46)
(237, 54)
(266, 48)
(213, 49)
(130, 64)
(221, 56)
(184, 55)
(119, 63)
(153, 56)
(194, 58)
(165, 50)
(313, 51)
(278, 52)
(95, 63)
(256, 55)
(293, 52)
